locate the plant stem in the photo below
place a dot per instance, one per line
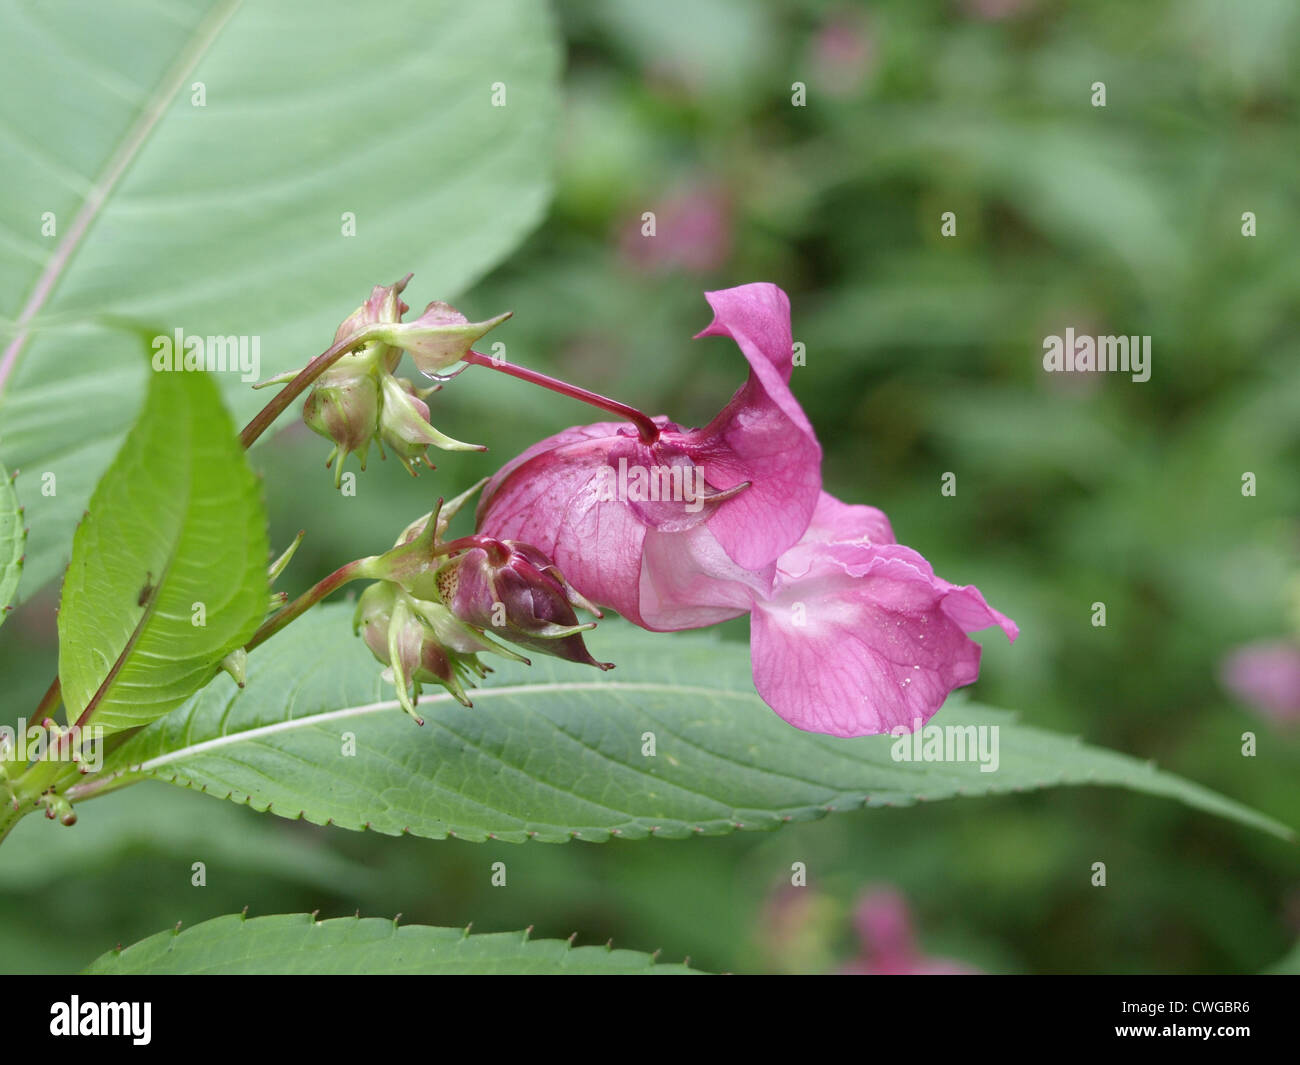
(49, 701)
(645, 424)
(322, 362)
(38, 777)
(313, 595)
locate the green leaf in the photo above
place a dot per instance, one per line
(300, 945)
(554, 752)
(12, 538)
(175, 527)
(226, 219)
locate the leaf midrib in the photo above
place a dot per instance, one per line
(343, 713)
(151, 606)
(119, 162)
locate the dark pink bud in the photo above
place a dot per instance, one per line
(515, 592)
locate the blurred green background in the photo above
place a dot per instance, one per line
(923, 357)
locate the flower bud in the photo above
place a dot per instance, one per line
(421, 643)
(344, 408)
(384, 306)
(358, 398)
(404, 425)
(236, 664)
(516, 592)
(439, 338)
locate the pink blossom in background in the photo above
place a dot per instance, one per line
(843, 52)
(1267, 676)
(887, 943)
(693, 233)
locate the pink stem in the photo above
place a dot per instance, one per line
(645, 425)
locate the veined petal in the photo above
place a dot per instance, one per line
(688, 582)
(866, 640)
(551, 496)
(762, 436)
(836, 522)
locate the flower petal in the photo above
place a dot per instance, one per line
(1267, 675)
(551, 497)
(866, 640)
(836, 522)
(761, 436)
(688, 582)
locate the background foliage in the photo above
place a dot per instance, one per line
(923, 357)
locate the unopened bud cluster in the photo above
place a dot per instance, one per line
(438, 606)
(358, 400)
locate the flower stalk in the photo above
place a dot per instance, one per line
(646, 428)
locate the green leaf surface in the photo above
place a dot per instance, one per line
(195, 164)
(149, 822)
(12, 538)
(299, 945)
(554, 752)
(175, 534)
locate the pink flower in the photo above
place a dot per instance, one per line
(888, 947)
(606, 504)
(1266, 675)
(851, 633)
(858, 636)
(844, 52)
